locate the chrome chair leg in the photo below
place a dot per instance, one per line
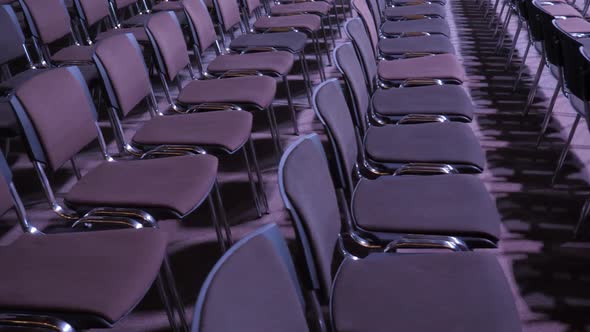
(176, 299)
(563, 155)
(549, 112)
(513, 46)
(522, 65)
(166, 301)
(251, 181)
(291, 107)
(216, 224)
(222, 214)
(583, 216)
(534, 87)
(262, 192)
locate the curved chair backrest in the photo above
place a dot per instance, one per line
(12, 39)
(330, 107)
(265, 296)
(92, 11)
(356, 31)
(349, 65)
(122, 4)
(362, 8)
(57, 115)
(123, 71)
(200, 24)
(229, 10)
(308, 193)
(168, 42)
(48, 20)
(575, 67)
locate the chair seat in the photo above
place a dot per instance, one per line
(447, 143)
(441, 66)
(406, 11)
(312, 7)
(435, 44)
(138, 33)
(307, 22)
(448, 100)
(279, 62)
(252, 90)
(222, 129)
(92, 276)
(74, 53)
(18, 79)
(411, 2)
(177, 184)
(174, 6)
(432, 26)
(561, 10)
(396, 204)
(285, 41)
(423, 292)
(573, 25)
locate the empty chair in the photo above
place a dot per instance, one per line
(434, 140)
(58, 120)
(120, 266)
(373, 205)
(248, 92)
(392, 105)
(385, 290)
(128, 85)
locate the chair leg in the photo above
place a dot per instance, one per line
(499, 21)
(166, 301)
(291, 107)
(583, 216)
(262, 192)
(563, 155)
(251, 181)
(534, 86)
(326, 45)
(318, 56)
(222, 214)
(306, 77)
(274, 133)
(176, 299)
(522, 65)
(549, 111)
(216, 224)
(331, 26)
(502, 36)
(513, 46)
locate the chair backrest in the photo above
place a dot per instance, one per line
(122, 4)
(349, 65)
(330, 107)
(200, 23)
(252, 5)
(121, 65)
(229, 10)
(168, 42)
(575, 67)
(48, 20)
(362, 8)
(12, 39)
(356, 31)
(57, 115)
(92, 11)
(6, 200)
(266, 296)
(308, 193)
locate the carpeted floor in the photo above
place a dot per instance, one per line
(547, 269)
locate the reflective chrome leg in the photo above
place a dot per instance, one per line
(222, 214)
(262, 192)
(566, 148)
(522, 65)
(337, 21)
(274, 132)
(220, 238)
(513, 46)
(291, 107)
(176, 299)
(504, 30)
(583, 216)
(499, 21)
(251, 181)
(306, 77)
(534, 86)
(318, 56)
(166, 301)
(549, 111)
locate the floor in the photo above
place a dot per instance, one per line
(546, 267)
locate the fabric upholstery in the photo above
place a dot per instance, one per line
(442, 66)
(168, 6)
(424, 292)
(169, 41)
(290, 41)
(16, 80)
(279, 62)
(50, 17)
(435, 44)
(230, 13)
(177, 184)
(226, 129)
(74, 53)
(198, 13)
(308, 22)
(561, 10)
(138, 33)
(11, 38)
(457, 204)
(349, 64)
(432, 26)
(427, 10)
(94, 11)
(365, 51)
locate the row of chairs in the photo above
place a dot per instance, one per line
(559, 31)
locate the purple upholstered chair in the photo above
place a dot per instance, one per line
(58, 120)
(79, 280)
(250, 92)
(392, 105)
(386, 291)
(266, 297)
(126, 80)
(273, 63)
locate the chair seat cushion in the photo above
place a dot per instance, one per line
(435, 44)
(440, 66)
(101, 274)
(308, 22)
(448, 100)
(138, 33)
(405, 11)
(279, 62)
(252, 90)
(168, 6)
(432, 26)
(423, 292)
(320, 7)
(448, 143)
(573, 25)
(74, 53)
(397, 204)
(176, 184)
(221, 129)
(412, 2)
(563, 9)
(286, 41)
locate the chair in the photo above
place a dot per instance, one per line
(59, 120)
(426, 138)
(392, 105)
(127, 82)
(384, 290)
(267, 296)
(250, 92)
(48, 285)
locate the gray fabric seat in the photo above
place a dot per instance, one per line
(319, 7)
(451, 205)
(441, 66)
(93, 276)
(447, 143)
(423, 292)
(309, 22)
(449, 100)
(291, 41)
(432, 26)
(279, 62)
(424, 44)
(419, 10)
